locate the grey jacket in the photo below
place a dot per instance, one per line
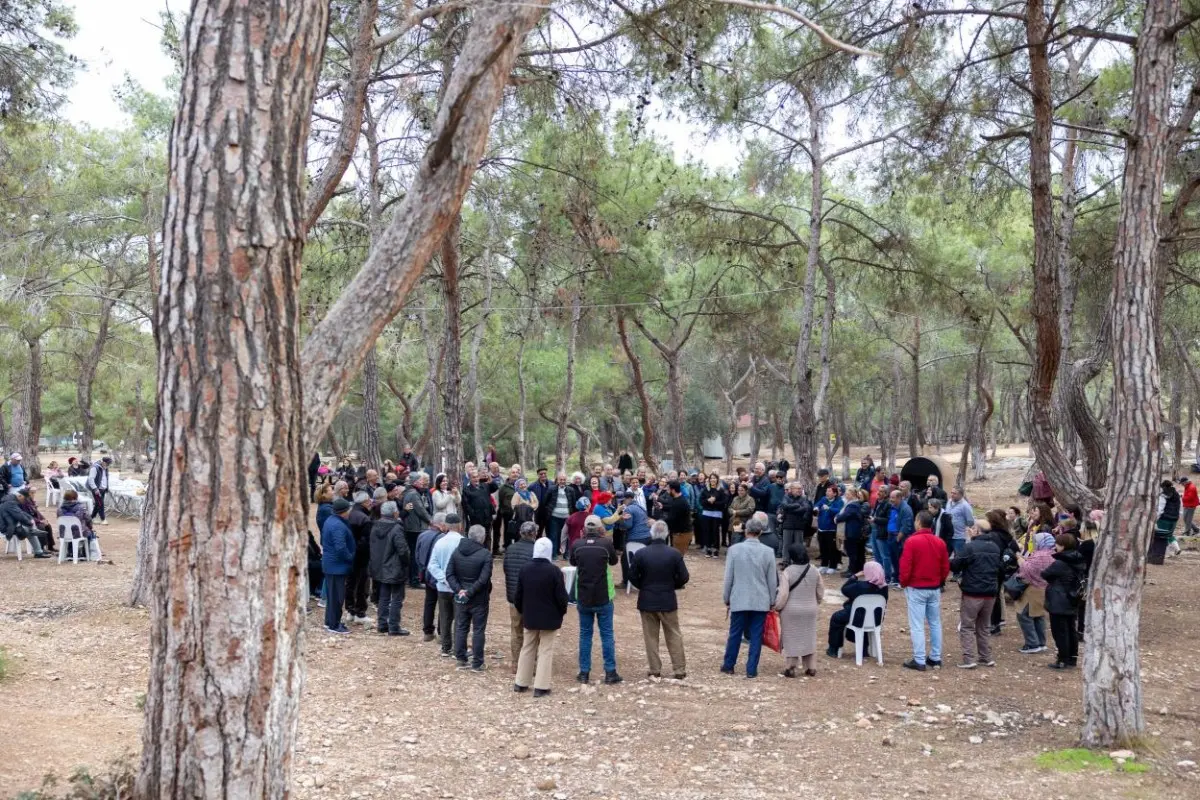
(750, 577)
(418, 518)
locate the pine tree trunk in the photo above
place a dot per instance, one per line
(803, 421)
(228, 488)
(649, 445)
(564, 411)
(370, 418)
(87, 376)
(452, 441)
(1112, 693)
(473, 370)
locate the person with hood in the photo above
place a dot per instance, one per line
(979, 565)
(871, 580)
(97, 484)
(12, 474)
(541, 601)
(1191, 500)
(71, 507)
(714, 500)
(516, 556)
(658, 572)
(593, 557)
(389, 562)
(749, 591)
(1164, 527)
(557, 505)
(1032, 602)
(469, 575)
(337, 559)
(795, 516)
(827, 510)
(1065, 585)
(798, 601)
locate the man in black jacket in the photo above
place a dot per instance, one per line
(593, 555)
(978, 567)
(658, 572)
(550, 516)
(795, 516)
(15, 522)
(477, 500)
(418, 509)
(516, 556)
(358, 584)
(678, 516)
(469, 575)
(389, 568)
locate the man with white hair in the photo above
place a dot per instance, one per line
(469, 576)
(439, 560)
(760, 487)
(420, 568)
(12, 474)
(593, 555)
(389, 568)
(751, 581)
(658, 572)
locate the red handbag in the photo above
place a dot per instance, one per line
(771, 632)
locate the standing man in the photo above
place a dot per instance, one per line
(469, 576)
(1191, 499)
(390, 557)
(554, 509)
(337, 559)
(933, 491)
(504, 509)
(677, 513)
(978, 566)
(924, 565)
(539, 488)
(636, 524)
(795, 516)
(416, 505)
(409, 459)
(899, 527)
(359, 583)
(97, 484)
(420, 568)
(12, 474)
(760, 487)
(658, 572)
(959, 510)
(439, 560)
(516, 556)
(749, 592)
(593, 556)
(477, 500)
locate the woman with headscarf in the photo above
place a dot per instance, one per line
(797, 600)
(524, 506)
(1032, 603)
(541, 599)
(1164, 527)
(445, 496)
(741, 508)
(871, 580)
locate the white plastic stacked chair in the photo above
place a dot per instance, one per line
(12, 543)
(868, 604)
(53, 496)
(70, 533)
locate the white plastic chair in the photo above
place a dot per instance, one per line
(53, 496)
(70, 532)
(13, 543)
(868, 604)
(631, 549)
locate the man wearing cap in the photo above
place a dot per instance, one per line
(593, 555)
(97, 484)
(12, 474)
(15, 522)
(337, 559)
(389, 568)
(439, 560)
(469, 576)
(420, 568)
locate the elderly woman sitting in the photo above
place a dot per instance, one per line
(870, 581)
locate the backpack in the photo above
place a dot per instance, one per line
(1077, 588)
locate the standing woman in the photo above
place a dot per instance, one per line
(851, 516)
(541, 599)
(713, 502)
(1164, 527)
(1040, 520)
(445, 496)
(797, 600)
(1063, 578)
(741, 508)
(1009, 562)
(827, 510)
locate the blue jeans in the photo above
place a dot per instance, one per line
(335, 587)
(895, 548)
(739, 623)
(554, 528)
(959, 544)
(604, 615)
(925, 606)
(879, 549)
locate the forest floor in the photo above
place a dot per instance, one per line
(386, 717)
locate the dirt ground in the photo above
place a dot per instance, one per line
(386, 717)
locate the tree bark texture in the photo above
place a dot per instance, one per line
(228, 489)
(564, 411)
(451, 446)
(473, 370)
(87, 377)
(333, 351)
(1112, 693)
(649, 444)
(370, 418)
(804, 419)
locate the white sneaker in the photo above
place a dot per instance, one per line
(1173, 549)
(103, 522)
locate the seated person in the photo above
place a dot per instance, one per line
(14, 522)
(870, 581)
(54, 475)
(71, 507)
(29, 506)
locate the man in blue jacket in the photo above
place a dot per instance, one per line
(899, 525)
(636, 524)
(337, 559)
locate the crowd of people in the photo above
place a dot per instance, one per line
(21, 519)
(877, 534)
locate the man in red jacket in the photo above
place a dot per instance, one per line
(1191, 499)
(924, 565)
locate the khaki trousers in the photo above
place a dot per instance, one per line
(516, 633)
(669, 622)
(681, 542)
(538, 649)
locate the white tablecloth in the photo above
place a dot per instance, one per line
(123, 498)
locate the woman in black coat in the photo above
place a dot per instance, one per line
(714, 500)
(1063, 580)
(1164, 526)
(542, 600)
(870, 581)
